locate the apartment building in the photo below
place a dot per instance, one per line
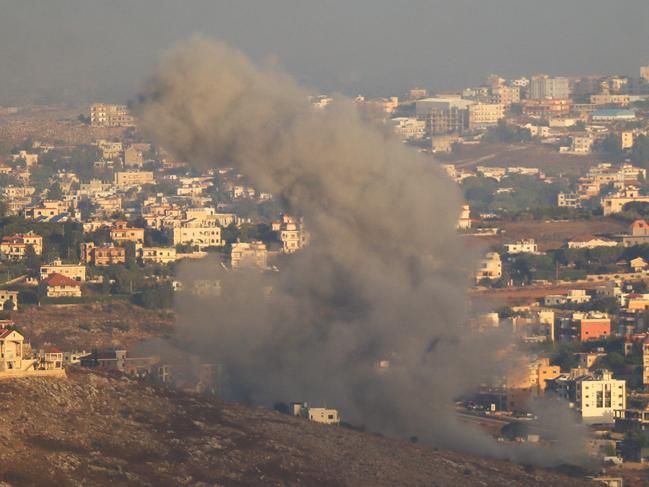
(109, 150)
(506, 95)
(292, 233)
(543, 86)
(14, 247)
(157, 255)
(104, 255)
(490, 267)
(543, 108)
(568, 200)
(581, 144)
(198, 233)
(524, 246)
(73, 271)
(105, 115)
(46, 210)
(135, 154)
(121, 233)
(409, 128)
(614, 203)
(128, 179)
(484, 114)
(595, 395)
(608, 99)
(249, 255)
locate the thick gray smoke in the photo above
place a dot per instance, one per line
(384, 276)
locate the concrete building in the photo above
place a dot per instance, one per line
(324, 415)
(197, 233)
(612, 115)
(11, 351)
(638, 234)
(464, 222)
(644, 73)
(76, 272)
(581, 144)
(109, 149)
(590, 242)
(30, 159)
(614, 203)
(8, 300)
(409, 128)
(543, 87)
(292, 233)
(626, 139)
(426, 106)
(135, 154)
(489, 268)
(568, 200)
(104, 115)
(121, 233)
(524, 246)
(46, 210)
(608, 99)
(249, 255)
(594, 395)
(14, 247)
(546, 108)
(484, 115)
(60, 286)
(506, 95)
(592, 326)
(103, 255)
(319, 415)
(158, 255)
(128, 179)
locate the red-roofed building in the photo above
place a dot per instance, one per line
(60, 286)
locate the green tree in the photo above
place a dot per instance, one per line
(640, 151)
(32, 261)
(55, 192)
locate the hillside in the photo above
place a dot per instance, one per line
(92, 429)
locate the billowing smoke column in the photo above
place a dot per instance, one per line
(384, 276)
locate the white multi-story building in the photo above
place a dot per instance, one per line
(103, 115)
(594, 395)
(597, 396)
(193, 232)
(490, 267)
(158, 255)
(292, 233)
(543, 86)
(464, 222)
(525, 246)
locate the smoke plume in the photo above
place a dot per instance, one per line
(383, 278)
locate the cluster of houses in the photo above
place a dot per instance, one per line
(17, 359)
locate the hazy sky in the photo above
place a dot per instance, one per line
(102, 49)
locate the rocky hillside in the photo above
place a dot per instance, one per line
(92, 430)
(86, 326)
